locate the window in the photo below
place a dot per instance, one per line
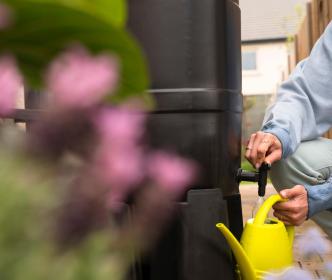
(249, 61)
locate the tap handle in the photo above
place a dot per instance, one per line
(244, 175)
(262, 178)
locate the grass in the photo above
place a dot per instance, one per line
(246, 165)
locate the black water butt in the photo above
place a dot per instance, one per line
(193, 49)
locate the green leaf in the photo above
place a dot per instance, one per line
(43, 29)
(113, 11)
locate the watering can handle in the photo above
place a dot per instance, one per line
(265, 208)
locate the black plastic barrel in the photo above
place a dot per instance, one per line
(193, 49)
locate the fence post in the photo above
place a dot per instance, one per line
(32, 100)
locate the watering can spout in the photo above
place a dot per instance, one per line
(242, 259)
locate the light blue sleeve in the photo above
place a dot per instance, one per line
(303, 107)
(319, 197)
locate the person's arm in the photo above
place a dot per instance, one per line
(303, 106)
(319, 197)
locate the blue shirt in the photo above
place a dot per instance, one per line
(303, 111)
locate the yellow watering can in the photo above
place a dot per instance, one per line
(266, 244)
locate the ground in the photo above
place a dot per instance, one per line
(249, 197)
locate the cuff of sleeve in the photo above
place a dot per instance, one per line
(312, 208)
(283, 137)
(319, 198)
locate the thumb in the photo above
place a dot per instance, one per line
(291, 193)
(273, 156)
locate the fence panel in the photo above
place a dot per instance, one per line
(303, 39)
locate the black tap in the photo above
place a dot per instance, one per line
(252, 176)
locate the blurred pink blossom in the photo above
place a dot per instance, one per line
(171, 172)
(311, 243)
(120, 126)
(78, 79)
(10, 82)
(328, 268)
(6, 16)
(121, 169)
(292, 273)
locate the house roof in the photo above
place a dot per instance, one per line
(270, 19)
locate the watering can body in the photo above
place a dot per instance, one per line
(266, 244)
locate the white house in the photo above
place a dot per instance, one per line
(267, 30)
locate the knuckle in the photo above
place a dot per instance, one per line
(298, 188)
(249, 157)
(270, 136)
(296, 217)
(261, 150)
(292, 217)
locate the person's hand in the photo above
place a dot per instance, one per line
(295, 210)
(263, 147)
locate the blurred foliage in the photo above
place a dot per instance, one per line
(246, 165)
(28, 202)
(31, 191)
(44, 28)
(249, 102)
(112, 11)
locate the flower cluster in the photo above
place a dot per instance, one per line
(10, 83)
(116, 168)
(78, 79)
(82, 189)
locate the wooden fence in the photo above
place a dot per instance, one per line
(31, 113)
(318, 16)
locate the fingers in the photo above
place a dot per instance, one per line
(250, 145)
(274, 156)
(290, 218)
(282, 217)
(293, 192)
(263, 147)
(257, 154)
(295, 200)
(295, 209)
(284, 206)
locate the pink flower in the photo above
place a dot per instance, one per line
(120, 126)
(171, 172)
(78, 79)
(10, 82)
(121, 169)
(312, 243)
(290, 273)
(6, 16)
